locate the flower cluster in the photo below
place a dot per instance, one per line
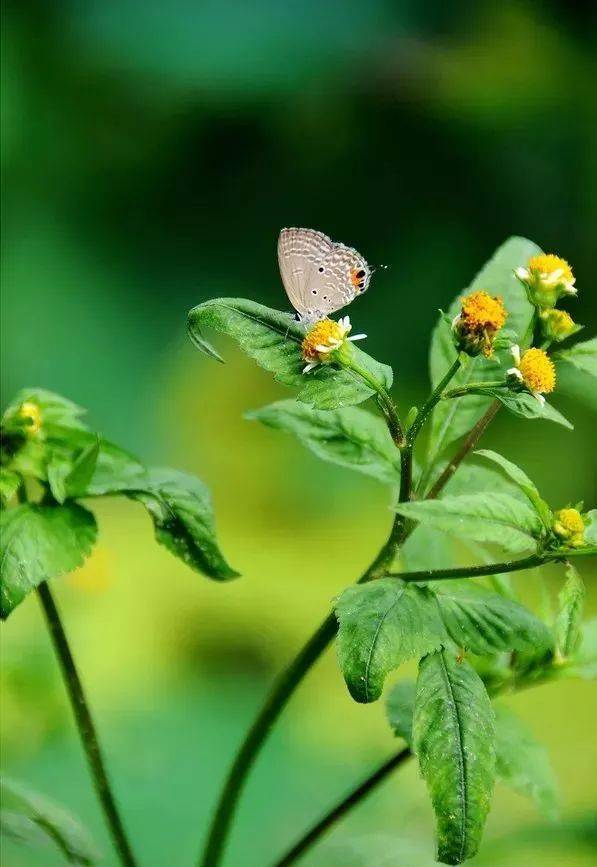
(326, 342)
(569, 526)
(534, 371)
(480, 318)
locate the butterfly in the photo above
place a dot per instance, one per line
(319, 275)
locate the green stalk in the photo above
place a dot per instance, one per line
(357, 795)
(86, 727)
(473, 388)
(472, 571)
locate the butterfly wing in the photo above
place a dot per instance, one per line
(342, 275)
(300, 252)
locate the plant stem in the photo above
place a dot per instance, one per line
(473, 388)
(469, 443)
(357, 794)
(86, 726)
(385, 401)
(431, 401)
(472, 571)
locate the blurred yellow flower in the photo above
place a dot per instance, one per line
(30, 413)
(558, 325)
(569, 525)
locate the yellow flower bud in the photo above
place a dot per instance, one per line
(480, 318)
(569, 526)
(557, 325)
(547, 278)
(30, 414)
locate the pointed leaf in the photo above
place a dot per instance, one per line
(453, 735)
(520, 478)
(33, 818)
(350, 437)
(10, 482)
(522, 763)
(453, 418)
(383, 624)
(486, 623)
(38, 543)
(568, 622)
(181, 510)
(489, 517)
(274, 340)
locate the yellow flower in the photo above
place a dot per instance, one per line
(534, 370)
(547, 278)
(568, 524)
(480, 318)
(557, 325)
(30, 413)
(322, 342)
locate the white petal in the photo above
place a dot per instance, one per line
(522, 273)
(514, 371)
(357, 337)
(309, 366)
(539, 397)
(456, 320)
(515, 350)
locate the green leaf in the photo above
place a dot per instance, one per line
(273, 339)
(486, 623)
(350, 437)
(453, 736)
(522, 763)
(383, 624)
(10, 482)
(568, 621)
(34, 819)
(400, 708)
(487, 517)
(39, 543)
(525, 405)
(582, 356)
(181, 510)
(520, 478)
(454, 418)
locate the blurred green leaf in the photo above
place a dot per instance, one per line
(453, 418)
(35, 820)
(584, 661)
(486, 623)
(487, 517)
(382, 624)
(591, 527)
(571, 604)
(54, 409)
(39, 543)
(350, 437)
(181, 510)
(400, 708)
(522, 763)
(453, 735)
(273, 339)
(9, 485)
(582, 356)
(520, 478)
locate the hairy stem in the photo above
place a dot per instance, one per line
(435, 396)
(336, 813)
(473, 388)
(86, 726)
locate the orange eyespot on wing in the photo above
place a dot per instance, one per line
(358, 278)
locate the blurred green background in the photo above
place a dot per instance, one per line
(151, 152)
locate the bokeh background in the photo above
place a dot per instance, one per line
(151, 152)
